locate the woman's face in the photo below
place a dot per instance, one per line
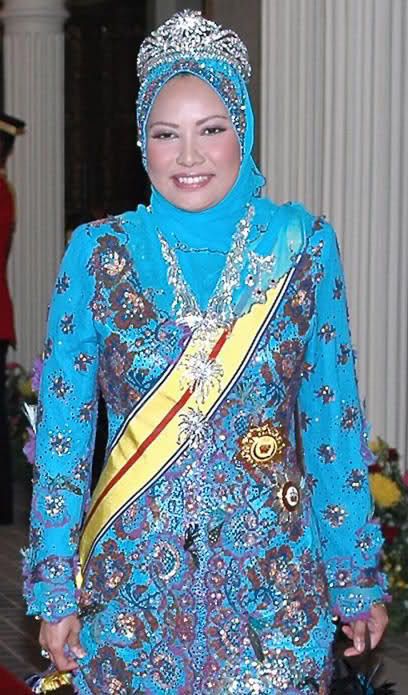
(193, 153)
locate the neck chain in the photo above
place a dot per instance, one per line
(185, 248)
(219, 312)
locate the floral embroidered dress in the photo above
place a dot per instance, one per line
(224, 574)
(233, 516)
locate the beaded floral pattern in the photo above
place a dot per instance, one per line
(219, 75)
(224, 575)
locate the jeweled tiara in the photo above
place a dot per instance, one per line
(188, 34)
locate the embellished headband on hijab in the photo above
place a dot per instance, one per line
(189, 43)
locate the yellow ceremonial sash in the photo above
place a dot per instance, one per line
(149, 441)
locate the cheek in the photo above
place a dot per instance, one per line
(228, 156)
(157, 160)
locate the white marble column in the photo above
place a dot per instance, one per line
(34, 91)
(335, 135)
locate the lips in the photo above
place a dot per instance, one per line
(192, 182)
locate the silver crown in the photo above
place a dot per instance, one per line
(188, 34)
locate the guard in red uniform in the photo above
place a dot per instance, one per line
(9, 128)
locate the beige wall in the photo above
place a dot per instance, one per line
(335, 135)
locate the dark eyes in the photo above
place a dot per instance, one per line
(169, 135)
(214, 130)
(163, 135)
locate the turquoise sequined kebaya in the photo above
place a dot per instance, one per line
(221, 573)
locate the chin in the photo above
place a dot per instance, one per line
(195, 208)
(190, 205)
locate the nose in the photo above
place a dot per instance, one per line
(189, 153)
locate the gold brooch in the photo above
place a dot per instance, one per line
(263, 445)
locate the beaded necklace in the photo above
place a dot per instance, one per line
(219, 312)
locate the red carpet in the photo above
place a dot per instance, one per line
(10, 685)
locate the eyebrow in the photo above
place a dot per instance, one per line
(200, 122)
(207, 118)
(165, 123)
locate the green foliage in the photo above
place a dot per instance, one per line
(18, 391)
(391, 507)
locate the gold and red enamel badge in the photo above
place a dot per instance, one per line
(263, 445)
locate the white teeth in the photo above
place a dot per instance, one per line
(190, 180)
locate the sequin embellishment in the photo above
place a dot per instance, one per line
(188, 33)
(219, 312)
(202, 373)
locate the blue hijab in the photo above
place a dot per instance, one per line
(214, 227)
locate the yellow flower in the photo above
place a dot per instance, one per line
(25, 388)
(386, 493)
(376, 445)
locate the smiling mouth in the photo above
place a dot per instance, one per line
(192, 182)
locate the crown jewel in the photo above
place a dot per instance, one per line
(186, 34)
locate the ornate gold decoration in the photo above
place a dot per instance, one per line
(263, 445)
(53, 682)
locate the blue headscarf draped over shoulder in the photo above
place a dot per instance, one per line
(212, 229)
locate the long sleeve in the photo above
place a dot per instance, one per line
(335, 446)
(65, 437)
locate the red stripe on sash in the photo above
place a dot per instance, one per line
(157, 430)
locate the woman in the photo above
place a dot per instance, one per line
(213, 553)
